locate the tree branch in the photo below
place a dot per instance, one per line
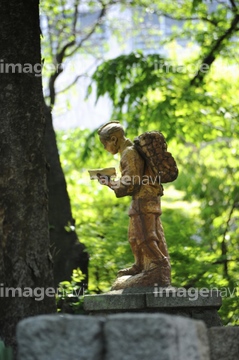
(213, 22)
(50, 36)
(233, 4)
(75, 18)
(60, 56)
(224, 244)
(77, 78)
(62, 53)
(70, 85)
(58, 71)
(192, 282)
(97, 23)
(223, 260)
(211, 56)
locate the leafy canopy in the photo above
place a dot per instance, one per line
(190, 94)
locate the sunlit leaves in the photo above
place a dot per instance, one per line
(202, 129)
(201, 124)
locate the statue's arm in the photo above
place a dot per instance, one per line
(132, 169)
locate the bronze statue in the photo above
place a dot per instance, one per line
(146, 235)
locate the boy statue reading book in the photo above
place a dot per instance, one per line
(146, 235)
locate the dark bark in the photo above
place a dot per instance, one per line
(68, 253)
(25, 259)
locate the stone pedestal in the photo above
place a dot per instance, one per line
(112, 337)
(200, 304)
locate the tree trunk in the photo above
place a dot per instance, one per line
(25, 260)
(68, 253)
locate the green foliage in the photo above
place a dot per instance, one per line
(195, 4)
(6, 353)
(198, 113)
(102, 222)
(190, 94)
(101, 219)
(114, 77)
(70, 295)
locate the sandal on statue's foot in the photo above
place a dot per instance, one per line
(133, 270)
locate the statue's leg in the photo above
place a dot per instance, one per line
(134, 234)
(154, 248)
(152, 265)
(160, 236)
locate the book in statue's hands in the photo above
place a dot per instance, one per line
(96, 173)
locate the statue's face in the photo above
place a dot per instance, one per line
(110, 145)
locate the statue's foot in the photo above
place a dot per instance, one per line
(133, 270)
(147, 278)
(161, 263)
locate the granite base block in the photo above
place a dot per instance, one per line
(199, 305)
(112, 337)
(154, 337)
(224, 343)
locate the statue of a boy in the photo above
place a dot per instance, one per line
(146, 235)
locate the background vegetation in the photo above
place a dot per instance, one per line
(189, 93)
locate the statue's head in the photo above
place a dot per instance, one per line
(111, 135)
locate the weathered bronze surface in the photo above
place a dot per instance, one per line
(146, 235)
